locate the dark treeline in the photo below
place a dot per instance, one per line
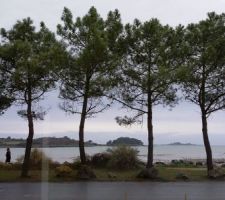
(44, 142)
(96, 62)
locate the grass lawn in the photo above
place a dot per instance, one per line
(165, 174)
(194, 174)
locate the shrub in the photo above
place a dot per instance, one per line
(148, 173)
(77, 162)
(123, 157)
(54, 164)
(63, 171)
(100, 159)
(37, 158)
(85, 173)
(181, 163)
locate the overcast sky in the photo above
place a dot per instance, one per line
(180, 124)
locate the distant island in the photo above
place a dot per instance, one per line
(44, 142)
(65, 142)
(125, 141)
(180, 143)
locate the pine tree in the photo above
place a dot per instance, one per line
(85, 79)
(30, 57)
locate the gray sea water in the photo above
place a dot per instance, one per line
(161, 152)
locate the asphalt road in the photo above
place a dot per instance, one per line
(113, 191)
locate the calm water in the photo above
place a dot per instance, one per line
(161, 152)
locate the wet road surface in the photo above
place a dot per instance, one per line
(113, 191)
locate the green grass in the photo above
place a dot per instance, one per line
(6, 175)
(14, 176)
(120, 175)
(165, 174)
(194, 174)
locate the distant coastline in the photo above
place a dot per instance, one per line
(65, 141)
(44, 142)
(180, 143)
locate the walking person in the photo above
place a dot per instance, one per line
(8, 156)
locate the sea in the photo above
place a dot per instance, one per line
(162, 153)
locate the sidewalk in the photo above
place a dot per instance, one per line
(113, 191)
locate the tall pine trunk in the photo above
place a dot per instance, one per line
(149, 123)
(26, 162)
(81, 131)
(150, 137)
(82, 120)
(208, 150)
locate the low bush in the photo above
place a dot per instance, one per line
(38, 159)
(53, 164)
(63, 171)
(123, 157)
(100, 159)
(181, 163)
(77, 162)
(85, 173)
(148, 173)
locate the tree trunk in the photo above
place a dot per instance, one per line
(206, 142)
(26, 162)
(150, 135)
(81, 127)
(149, 122)
(208, 150)
(83, 118)
(81, 132)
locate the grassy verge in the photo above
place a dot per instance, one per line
(103, 165)
(165, 174)
(194, 174)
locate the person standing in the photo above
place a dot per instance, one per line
(8, 156)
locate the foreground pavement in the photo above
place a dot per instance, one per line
(113, 191)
